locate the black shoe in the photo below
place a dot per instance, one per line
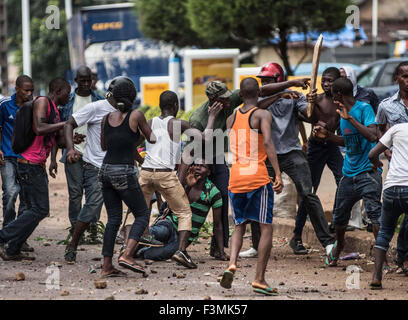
(26, 247)
(18, 257)
(150, 241)
(332, 229)
(297, 246)
(184, 259)
(70, 255)
(350, 228)
(369, 227)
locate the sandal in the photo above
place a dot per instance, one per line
(375, 286)
(70, 254)
(132, 266)
(266, 291)
(227, 279)
(331, 260)
(115, 274)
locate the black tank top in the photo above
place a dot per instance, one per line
(120, 142)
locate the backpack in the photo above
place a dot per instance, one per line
(23, 134)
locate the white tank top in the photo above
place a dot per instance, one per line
(165, 152)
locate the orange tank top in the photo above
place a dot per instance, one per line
(248, 171)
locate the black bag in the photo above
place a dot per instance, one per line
(23, 134)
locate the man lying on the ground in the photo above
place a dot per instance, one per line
(202, 195)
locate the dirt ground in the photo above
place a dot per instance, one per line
(295, 277)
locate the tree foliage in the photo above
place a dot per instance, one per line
(49, 48)
(257, 21)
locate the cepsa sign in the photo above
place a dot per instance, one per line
(107, 26)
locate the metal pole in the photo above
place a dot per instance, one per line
(3, 47)
(25, 5)
(68, 9)
(375, 28)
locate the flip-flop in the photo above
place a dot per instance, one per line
(333, 260)
(227, 279)
(386, 269)
(115, 274)
(375, 286)
(268, 292)
(132, 266)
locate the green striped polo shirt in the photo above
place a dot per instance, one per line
(210, 198)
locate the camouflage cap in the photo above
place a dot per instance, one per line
(217, 89)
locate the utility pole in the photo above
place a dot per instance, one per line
(25, 6)
(3, 47)
(375, 28)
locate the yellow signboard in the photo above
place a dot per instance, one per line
(152, 92)
(206, 70)
(318, 84)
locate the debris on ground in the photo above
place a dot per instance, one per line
(20, 276)
(110, 298)
(207, 298)
(64, 293)
(99, 284)
(141, 291)
(351, 256)
(181, 276)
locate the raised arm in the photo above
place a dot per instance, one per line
(40, 125)
(272, 88)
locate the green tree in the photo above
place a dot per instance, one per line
(255, 22)
(49, 48)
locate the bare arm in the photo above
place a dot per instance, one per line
(265, 119)
(142, 125)
(103, 144)
(40, 125)
(374, 154)
(53, 168)
(272, 88)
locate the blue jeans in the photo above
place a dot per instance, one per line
(91, 210)
(395, 203)
(74, 173)
(220, 177)
(318, 155)
(11, 188)
(367, 186)
(164, 231)
(119, 183)
(34, 184)
(402, 243)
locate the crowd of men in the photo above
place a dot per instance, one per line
(99, 137)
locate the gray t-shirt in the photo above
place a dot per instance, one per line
(92, 115)
(285, 123)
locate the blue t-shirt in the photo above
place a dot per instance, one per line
(357, 147)
(8, 110)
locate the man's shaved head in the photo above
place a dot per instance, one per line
(249, 88)
(83, 71)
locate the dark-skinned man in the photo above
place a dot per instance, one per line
(74, 172)
(320, 153)
(392, 111)
(31, 169)
(250, 189)
(158, 169)
(285, 111)
(8, 159)
(360, 180)
(217, 92)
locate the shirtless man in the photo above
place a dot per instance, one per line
(320, 152)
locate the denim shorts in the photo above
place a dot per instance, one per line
(367, 186)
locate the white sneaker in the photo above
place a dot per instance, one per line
(250, 253)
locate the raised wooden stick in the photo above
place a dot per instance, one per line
(315, 68)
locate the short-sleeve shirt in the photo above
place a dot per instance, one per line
(210, 198)
(285, 123)
(397, 138)
(92, 115)
(392, 110)
(357, 147)
(8, 110)
(199, 119)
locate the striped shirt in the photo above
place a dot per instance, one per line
(210, 198)
(392, 110)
